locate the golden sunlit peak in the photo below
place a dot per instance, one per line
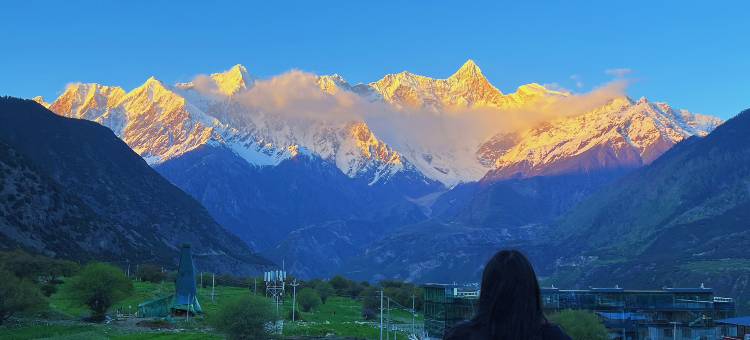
(469, 68)
(152, 80)
(238, 68)
(233, 80)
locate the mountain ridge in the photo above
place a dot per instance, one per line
(138, 214)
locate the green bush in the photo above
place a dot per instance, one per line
(36, 267)
(370, 302)
(244, 318)
(297, 315)
(325, 290)
(48, 289)
(17, 295)
(308, 298)
(151, 273)
(99, 286)
(340, 284)
(580, 325)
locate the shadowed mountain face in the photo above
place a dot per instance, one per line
(679, 221)
(82, 193)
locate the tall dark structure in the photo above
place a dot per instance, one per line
(186, 295)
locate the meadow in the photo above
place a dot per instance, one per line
(338, 317)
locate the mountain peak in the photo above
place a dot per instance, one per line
(238, 68)
(41, 101)
(468, 69)
(152, 81)
(233, 80)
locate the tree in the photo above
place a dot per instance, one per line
(36, 267)
(17, 295)
(355, 289)
(325, 290)
(580, 325)
(99, 286)
(308, 298)
(244, 318)
(151, 273)
(370, 302)
(340, 284)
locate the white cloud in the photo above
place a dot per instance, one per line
(296, 97)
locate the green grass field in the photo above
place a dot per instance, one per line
(91, 332)
(339, 316)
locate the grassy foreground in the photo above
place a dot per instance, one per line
(339, 316)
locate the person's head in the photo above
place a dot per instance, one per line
(510, 300)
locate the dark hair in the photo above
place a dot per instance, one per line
(510, 303)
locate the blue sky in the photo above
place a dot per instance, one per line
(694, 55)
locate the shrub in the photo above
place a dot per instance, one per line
(297, 316)
(48, 289)
(17, 295)
(325, 290)
(151, 273)
(340, 284)
(99, 286)
(308, 298)
(244, 318)
(36, 267)
(580, 325)
(369, 314)
(370, 301)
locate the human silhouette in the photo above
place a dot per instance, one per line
(510, 304)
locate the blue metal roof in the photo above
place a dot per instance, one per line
(622, 316)
(738, 321)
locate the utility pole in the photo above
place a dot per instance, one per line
(128, 268)
(201, 279)
(413, 313)
(294, 297)
(255, 286)
(388, 319)
(213, 287)
(187, 310)
(381, 314)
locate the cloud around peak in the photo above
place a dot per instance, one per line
(297, 98)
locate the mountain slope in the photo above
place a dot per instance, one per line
(262, 205)
(91, 166)
(685, 213)
(35, 210)
(620, 135)
(541, 174)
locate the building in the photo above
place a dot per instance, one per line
(186, 295)
(648, 314)
(185, 298)
(446, 306)
(736, 328)
(690, 313)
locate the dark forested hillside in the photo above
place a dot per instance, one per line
(83, 193)
(682, 220)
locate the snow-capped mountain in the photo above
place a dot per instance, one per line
(621, 134)
(466, 88)
(279, 160)
(162, 122)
